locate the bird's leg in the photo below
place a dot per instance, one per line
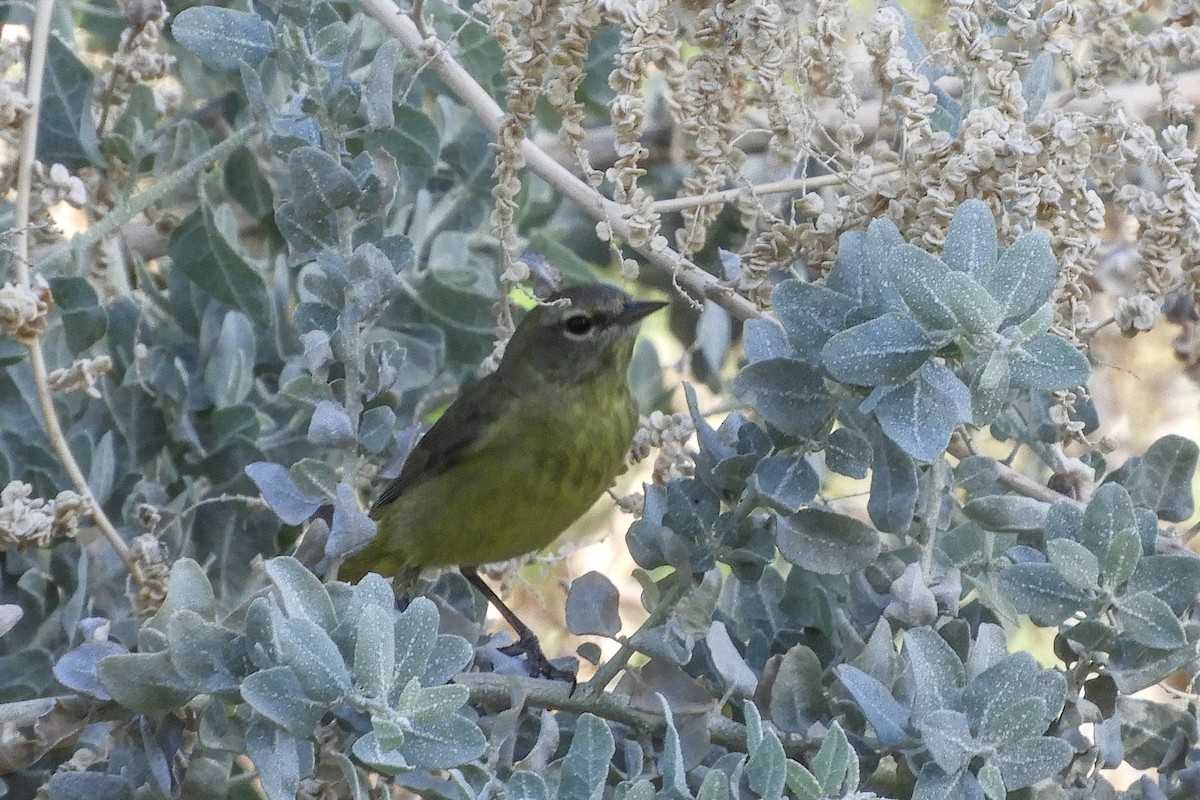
(527, 641)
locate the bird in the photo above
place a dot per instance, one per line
(520, 454)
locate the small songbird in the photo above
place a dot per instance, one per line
(521, 454)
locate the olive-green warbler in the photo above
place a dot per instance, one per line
(521, 454)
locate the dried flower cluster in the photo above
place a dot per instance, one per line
(81, 376)
(670, 433)
(14, 105)
(140, 57)
(647, 39)
(28, 521)
(1075, 167)
(23, 310)
(147, 596)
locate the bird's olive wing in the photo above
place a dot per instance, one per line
(463, 425)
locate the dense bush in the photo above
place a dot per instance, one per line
(304, 224)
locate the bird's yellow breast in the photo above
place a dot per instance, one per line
(535, 471)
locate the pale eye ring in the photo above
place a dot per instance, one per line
(578, 325)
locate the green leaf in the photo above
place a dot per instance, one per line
(314, 658)
(893, 486)
(992, 782)
(1040, 591)
(889, 719)
(1164, 481)
(1023, 277)
(835, 765)
(414, 141)
(787, 393)
(280, 492)
(810, 315)
(939, 298)
(374, 651)
(378, 92)
(1026, 762)
(801, 783)
(526, 785)
(307, 233)
(77, 668)
(144, 682)
(449, 656)
(319, 183)
(585, 767)
(200, 652)
(670, 760)
(431, 704)
(934, 784)
(786, 482)
(1013, 678)
(970, 245)
(593, 606)
(1007, 513)
(223, 38)
(330, 426)
(827, 543)
(1149, 730)
(1150, 621)
(1110, 510)
(1078, 565)
(84, 320)
(247, 185)
(416, 631)
(276, 693)
(941, 670)
(1024, 718)
(1173, 579)
(880, 352)
(921, 414)
(278, 759)
(314, 478)
(66, 129)
(848, 452)
(229, 372)
(797, 697)
(444, 743)
(766, 770)
(947, 736)
(1047, 362)
(301, 593)
(1036, 84)
(989, 388)
(1124, 552)
(205, 249)
(188, 589)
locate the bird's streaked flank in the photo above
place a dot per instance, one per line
(521, 454)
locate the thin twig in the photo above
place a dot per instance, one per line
(590, 201)
(761, 190)
(38, 44)
(127, 210)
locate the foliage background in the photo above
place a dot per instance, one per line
(903, 241)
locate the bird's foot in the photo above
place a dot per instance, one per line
(540, 666)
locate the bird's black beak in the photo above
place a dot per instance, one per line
(637, 310)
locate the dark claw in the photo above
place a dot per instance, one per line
(539, 665)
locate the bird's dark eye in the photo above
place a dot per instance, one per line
(578, 324)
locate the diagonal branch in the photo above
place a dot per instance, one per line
(600, 208)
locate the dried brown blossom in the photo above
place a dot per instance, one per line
(81, 376)
(23, 310)
(28, 521)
